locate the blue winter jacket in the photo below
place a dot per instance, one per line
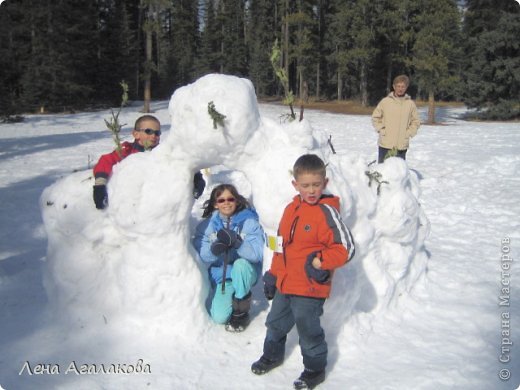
(246, 224)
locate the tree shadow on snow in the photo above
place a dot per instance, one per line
(443, 115)
(18, 147)
(24, 300)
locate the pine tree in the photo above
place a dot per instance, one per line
(353, 33)
(335, 42)
(492, 74)
(322, 10)
(230, 19)
(151, 28)
(10, 59)
(183, 43)
(303, 48)
(178, 46)
(70, 54)
(436, 48)
(394, 37)
(208, 54)
(261, 35)
(116, 51)
(78, 49)
(61, 54)
(298, 29)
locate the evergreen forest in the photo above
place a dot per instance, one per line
(60, 55)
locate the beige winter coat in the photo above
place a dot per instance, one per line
(396, 120)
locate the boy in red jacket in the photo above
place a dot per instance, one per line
(314, 241)
(147, 134)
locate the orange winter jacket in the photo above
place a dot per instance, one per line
(307, 228)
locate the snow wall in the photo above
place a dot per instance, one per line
(132, 265)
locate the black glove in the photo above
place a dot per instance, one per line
(198, 185)
(319, 275)
(100, 196)
(218, 247)
(229, 237)
(269, 285)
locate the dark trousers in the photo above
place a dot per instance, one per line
(384, 151)
(288, 310)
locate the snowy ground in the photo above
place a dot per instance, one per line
(450, 332)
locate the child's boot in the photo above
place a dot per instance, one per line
(309, 379)
(264, 365)
(239, 319)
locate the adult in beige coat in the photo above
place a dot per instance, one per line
(396, 120)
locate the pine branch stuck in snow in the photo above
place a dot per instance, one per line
(284, 79)
(375, 176)
(218, 118)
(391, 153)
(113, 125)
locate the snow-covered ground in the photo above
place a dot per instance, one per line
(109, 290)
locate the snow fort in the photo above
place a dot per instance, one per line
(132, 266)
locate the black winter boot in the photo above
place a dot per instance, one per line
(309, 379)
(239, 319)
(264, 365)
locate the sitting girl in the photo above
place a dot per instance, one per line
(231, 240)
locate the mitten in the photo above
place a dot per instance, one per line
(100, 196)
(319, 275)
(269, 285)
(218, 247)
(198, 185)
(230, 238)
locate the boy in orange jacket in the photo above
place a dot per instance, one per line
(314, 242)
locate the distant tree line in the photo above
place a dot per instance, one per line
(69, 54)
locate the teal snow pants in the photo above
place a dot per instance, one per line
(243, 277)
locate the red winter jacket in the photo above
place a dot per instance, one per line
(307, 228)
(103, 168)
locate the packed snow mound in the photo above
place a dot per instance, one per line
(134, 261)
(196, 131)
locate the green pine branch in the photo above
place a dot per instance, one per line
(218, 118)
(391, 153)
(375, 176)
(113, 124)
(283, 77)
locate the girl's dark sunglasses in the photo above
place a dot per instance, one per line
(151, 131)
(222, 200)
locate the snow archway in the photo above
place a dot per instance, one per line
(134, 262)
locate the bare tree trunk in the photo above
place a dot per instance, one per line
(305, 93)
(286, 39)
(340, 85)
(389, 78)
(300, 83)
(221, 68)
(157, 49)
(363, 85)
(320, 15)
(431, 107)
(318, 82)
(138, 62)
(281, 61)
(148, 70)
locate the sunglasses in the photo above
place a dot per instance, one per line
(222, 200)
(150, 131)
